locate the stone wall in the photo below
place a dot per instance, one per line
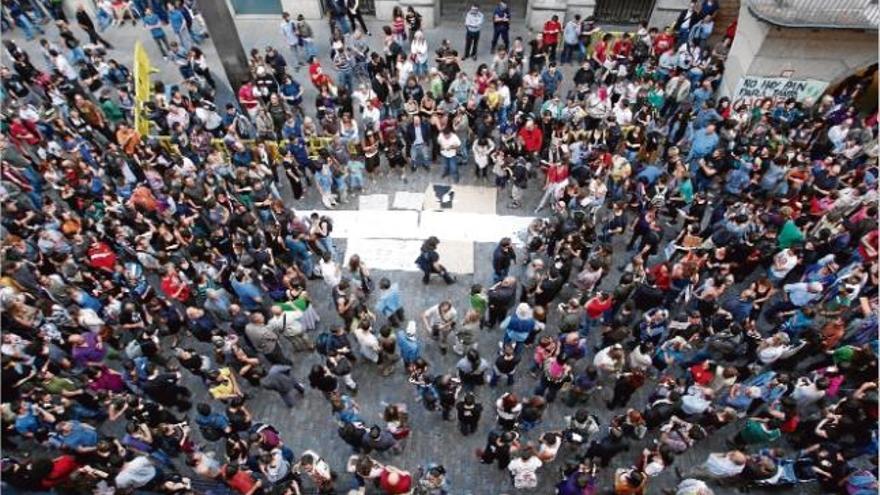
(428, 9)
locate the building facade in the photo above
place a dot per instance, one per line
(800, 48)
(618, 12)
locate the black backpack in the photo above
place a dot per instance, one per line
(211, 433)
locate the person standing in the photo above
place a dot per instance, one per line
(354, 14)
(409, 345)
(502, 258)
(501, 297)
(292, 38)
(429, 262)
(571, 39)
(552, 28)
(449, 144)
(473, 370)
(178, 24)
(86, 23)
(389, 304)
(440, 321)
(306, 37)
(501, 25)
(473, 22)
(418, 137)
(154, 24)
(469, 412)
(264, 339)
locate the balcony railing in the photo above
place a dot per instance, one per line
(834, 14)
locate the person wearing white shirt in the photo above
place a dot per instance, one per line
(524, 469)
(483, 148)
(449, 144)
(622, 113)
(330, 271)
(473, 22)
(63, 66)
(291, 37)
(837, 134)
(419, 51)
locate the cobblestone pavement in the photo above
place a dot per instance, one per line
(310, 425)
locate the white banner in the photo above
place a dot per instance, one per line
(778, 87)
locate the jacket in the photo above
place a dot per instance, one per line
(410, 134)
(262, 337)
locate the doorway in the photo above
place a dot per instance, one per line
(623, 11)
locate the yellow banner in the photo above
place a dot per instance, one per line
(142, 88)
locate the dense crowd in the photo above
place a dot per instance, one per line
(136, 264)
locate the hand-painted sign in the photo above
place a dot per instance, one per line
(778, 87)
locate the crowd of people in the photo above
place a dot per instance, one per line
(151, 282)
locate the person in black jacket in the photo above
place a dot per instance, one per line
(429, 262)
(419, 142)
(86, 23)
(502, 258)
(469, 411)
(501, 297)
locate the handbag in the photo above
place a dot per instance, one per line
(367, 283)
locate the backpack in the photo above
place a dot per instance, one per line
(211, 433)
(861, 483)
(329, 223)
(323, 342)
(555, 371)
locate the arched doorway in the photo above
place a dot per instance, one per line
(865, 82)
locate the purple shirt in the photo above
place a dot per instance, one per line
(90, 352)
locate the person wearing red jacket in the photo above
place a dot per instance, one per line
(552, 28)
(394, 481)
(101, 256)
(664, 41)
(532, 137)
(23, 133)
(596, 307)
(174, 286)
(63, 468)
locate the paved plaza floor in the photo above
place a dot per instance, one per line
(310, 424)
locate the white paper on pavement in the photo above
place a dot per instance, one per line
(408, 201)
(400, 254)
(473, 227)
(373, 202)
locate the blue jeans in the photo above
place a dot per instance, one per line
(307, 265)
(502, 114)
(504, 35)
(346, 80)
(355, 181)
(309, 47)
(463, 151)
(184, 38)
(450, 167)
(419, 155)
(27, 26)
(326, 245)
(104, 20)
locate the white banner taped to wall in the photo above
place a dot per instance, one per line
(778, 87)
